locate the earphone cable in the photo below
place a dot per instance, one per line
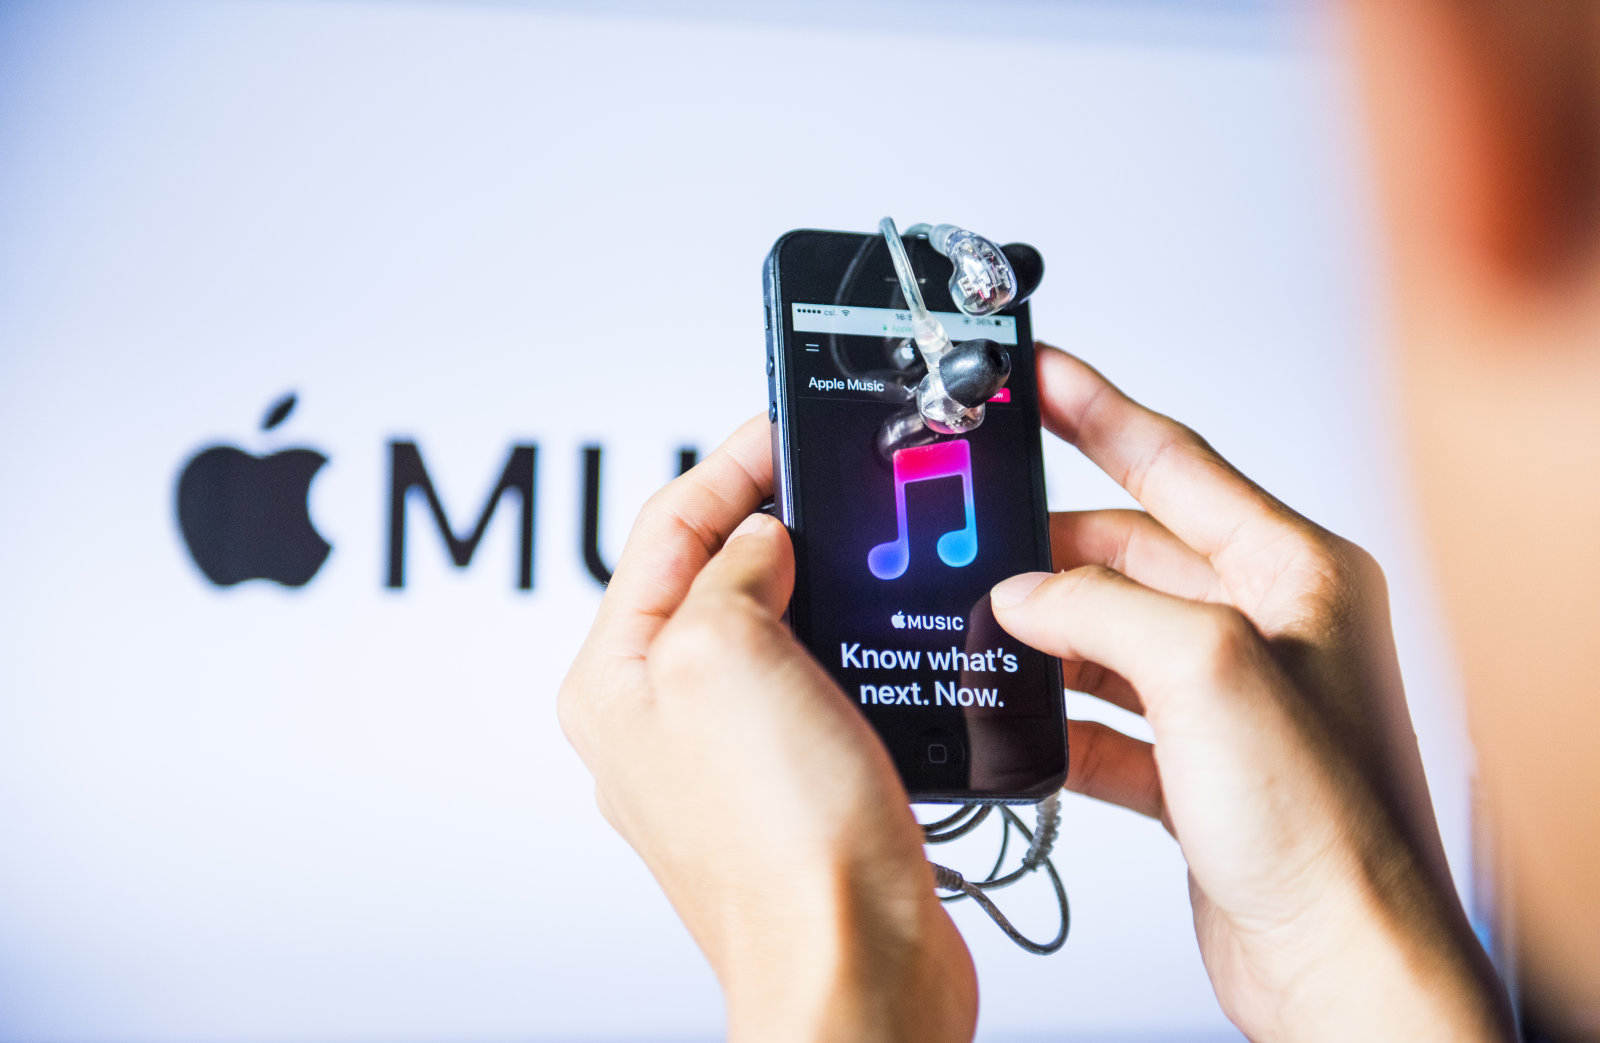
(1041, 841)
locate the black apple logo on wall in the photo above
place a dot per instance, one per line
(246, 517)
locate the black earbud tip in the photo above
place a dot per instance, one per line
(1027, 263)
(973, 370)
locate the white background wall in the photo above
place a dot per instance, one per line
(346, 813)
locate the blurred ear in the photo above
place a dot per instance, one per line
(1487, 114)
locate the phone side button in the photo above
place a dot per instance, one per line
(772, 412)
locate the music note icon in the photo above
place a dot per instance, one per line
(920, 464)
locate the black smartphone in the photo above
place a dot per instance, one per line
(896, 549)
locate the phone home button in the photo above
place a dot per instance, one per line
(941, 749)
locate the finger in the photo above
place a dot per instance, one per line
(726, 646)
(756, 563)
(1093, 679)
(1136, 545)
(726, 640)
(678, 531)
(1179, 655)
(1116, 768)
(1168, 468)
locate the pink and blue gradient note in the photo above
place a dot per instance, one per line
(924, 463)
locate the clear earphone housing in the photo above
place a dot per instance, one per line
(983, 281)
(943, 413)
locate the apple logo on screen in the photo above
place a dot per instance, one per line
(246, 517)
(898, 620)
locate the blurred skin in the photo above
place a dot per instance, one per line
(1487, 121)
(1256, 644)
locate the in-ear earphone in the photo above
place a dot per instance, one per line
(962, 376)
(983, 280)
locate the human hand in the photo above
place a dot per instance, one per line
(759, 797)
(1258, 647)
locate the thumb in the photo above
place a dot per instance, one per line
(1180, 655)
(756, 563)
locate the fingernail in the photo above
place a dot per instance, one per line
(749, 525)
(1014, 591)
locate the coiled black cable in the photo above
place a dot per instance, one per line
(1041, 840)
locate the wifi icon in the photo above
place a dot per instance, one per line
(845, 310)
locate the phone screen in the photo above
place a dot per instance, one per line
(896, 553)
